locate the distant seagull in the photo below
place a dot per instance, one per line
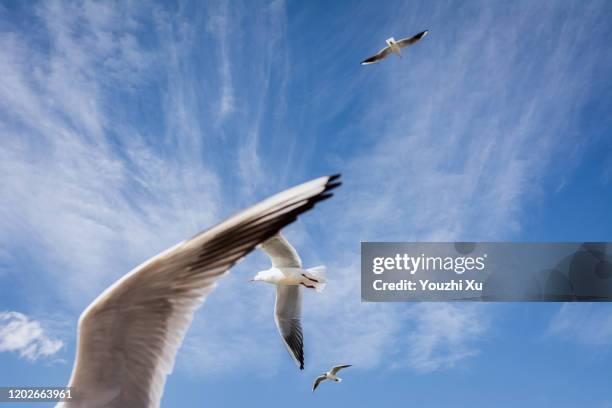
(289, 277)
(129, 336)
(330, 375)
(394, 47)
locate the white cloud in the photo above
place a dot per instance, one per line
(444, 334)
(90, 187)
(93, 185)
(220, 25)
(88, 194)
(584, 323)
(461, 143)
(27, 337)
(466, 138)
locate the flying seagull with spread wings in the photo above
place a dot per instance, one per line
(394, 47)
(330, 375)
(289, 277)
(129, 336)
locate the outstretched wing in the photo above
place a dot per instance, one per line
(337, 368)
(128, 337)
(318, 381)
(281, 253)
(287, 313)
(404, 42)
(382, 54)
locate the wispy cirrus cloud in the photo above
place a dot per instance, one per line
(86, 191)
(126, 129)
(445, 334)
(456, 147)
(478, 122)
(110, 150)
(220, 23)
(585, 323)
(20, 334)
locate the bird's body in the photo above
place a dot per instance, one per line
(289, 277)
(129, 336)
(331, 375)
(394, 47)
(311, 278)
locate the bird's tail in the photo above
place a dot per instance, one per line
(316, 277)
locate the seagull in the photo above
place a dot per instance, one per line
(129, 336)
(289, 277)
(330, 375)
(394, 47)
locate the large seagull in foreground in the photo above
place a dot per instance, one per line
(289, 277)
(394, 47)
(128, 337)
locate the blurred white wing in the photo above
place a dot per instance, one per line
(287, 311)
(382, 54)
(318, 381)
(281, 253)
(128, 337)
(337, 368)
(404, 42)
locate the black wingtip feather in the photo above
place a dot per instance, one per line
(219, 251)
(421, 34)
(331, 186)
(324, 196)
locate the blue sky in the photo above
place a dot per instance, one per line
(128, 127)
